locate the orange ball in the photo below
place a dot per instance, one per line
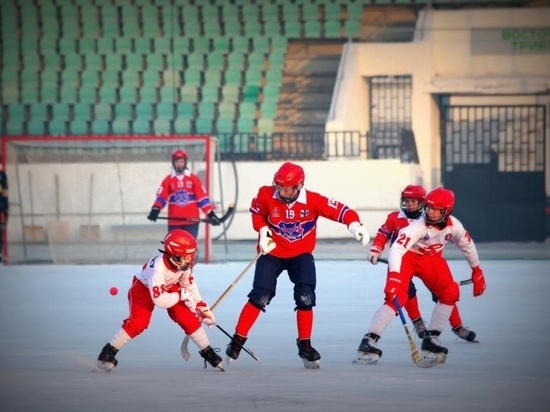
(113, 291)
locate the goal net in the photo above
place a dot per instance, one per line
(85, 200)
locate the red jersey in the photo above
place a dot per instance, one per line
(184, 194)
(389, 230)
(294, 226)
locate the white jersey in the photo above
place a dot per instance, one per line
(164, 283)
(426, 240)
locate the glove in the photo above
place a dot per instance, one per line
(188, 299)
(360, 232)
(205, 314)
(374, 254)
(214, 220)
(479, 281)
(153, 214)
(266, 242)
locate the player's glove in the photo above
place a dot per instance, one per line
(359, 232)
(266, 242)
(205, 314)
(189, 300)
(374, 255)
(214, 220)
(478, 280)
(153, 214)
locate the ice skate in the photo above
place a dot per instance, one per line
(432, 349)
(308, 354)
(419, 327)
(234, 347)
(106, 361)
(368, 353)
(466, 334)
(210, 356)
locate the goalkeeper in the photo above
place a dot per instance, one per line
(185, 194)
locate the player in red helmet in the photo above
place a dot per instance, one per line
(285, 216)
(418, 251)
(185, 195)
(412, 206)
(166, 281)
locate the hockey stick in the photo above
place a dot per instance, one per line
(222, 219)
(238, 343)
(184, 351)
(461, 282)
(417, 358)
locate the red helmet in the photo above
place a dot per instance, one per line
(289, 175)
(179, 154)
(442, 199)
(181, 248)
(416, 192)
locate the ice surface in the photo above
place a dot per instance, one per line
(55, 320)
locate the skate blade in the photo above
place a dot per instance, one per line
(311, 364)
(220, 367)
(364, 358)
(430, 359)
(229, 360)
(105, 366)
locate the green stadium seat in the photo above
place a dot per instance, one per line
(57, 127)
(124, 45)
(82, 111)
(182, 126)
(245, 125)
(224, 125)
(240, 43)
(232, 76)
(310, 12)
(203, 125)
(355, 10)
(163, 45)
(38, 112)
(165, 110)
(272, 28)
(230, 92)
(279, 44)
(143, 45)
(213, 77)
(185, 110)
(79, 127)
(352, 28)
(123, 111)
(120, 126)
(293, 29)
(270, 12)
(162, 127)
(332, 11)
(250, 93)
(227, 109)
(210, 93)
(144, 111)
(268, 109)
(265, 126)
(100, 127)
(206, 110)
(127, 95)
(312, 29)
(247, 110)
(133, 62)
(103, 111)
(130, 78)
(332, 29)
(14, 127)
(189, 93)
(107, 94)
(250, 11)
(17, 111)
(141, 126)
(36, 127)
(201, 44)
(110, 78)
(61, 111)
(168, 94)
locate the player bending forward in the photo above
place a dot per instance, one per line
(285, 216)
(412, 207)
(166, 281)
(418, 251)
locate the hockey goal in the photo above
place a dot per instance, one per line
(85, 200)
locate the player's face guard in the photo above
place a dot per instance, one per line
(288, 194)
(434, 215)
(182, 263)
(179, 164)
(410, 204)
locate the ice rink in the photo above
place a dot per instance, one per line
(55, 320)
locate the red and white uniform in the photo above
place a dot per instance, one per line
(294, 226)
(185, 195)
(389, 230)
(418, 250)
(158, 284)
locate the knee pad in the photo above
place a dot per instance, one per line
(135, 326)
(450, 294)
(260, 298)
(304, 296)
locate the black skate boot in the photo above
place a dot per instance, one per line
(209, 355)
(106, 360)
(308, 354)
(432, 346)
(368, 353)
(419, 327)
(466, 334)
(234, 347)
